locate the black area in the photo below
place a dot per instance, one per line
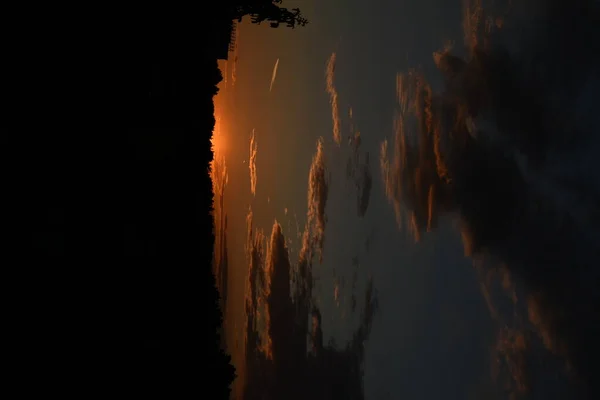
(120, 298)
(113, 291)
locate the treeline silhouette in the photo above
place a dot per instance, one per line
(122, 297)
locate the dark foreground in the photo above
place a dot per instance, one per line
(117, 294)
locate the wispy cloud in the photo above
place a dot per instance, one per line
(252, 163)
(333, 98)
(512, 349)
(274, 75)
(411, 174)
(313, 236)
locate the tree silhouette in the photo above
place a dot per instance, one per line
(268, 10)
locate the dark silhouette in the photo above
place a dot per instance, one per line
(118, 294)
(124, 299)
(268, 10)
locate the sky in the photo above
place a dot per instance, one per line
(410, 186)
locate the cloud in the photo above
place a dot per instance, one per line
(252, 163)
(333, 98)
(277, 328)
(318, 190)
(411, 174)
(274, 75)
(511, 353)
(509, 147)
(313, 236)
(256, 338)
(279, 303)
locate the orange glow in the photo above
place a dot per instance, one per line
(218, 139)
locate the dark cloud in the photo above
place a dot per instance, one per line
(278, 297)
(508, 146)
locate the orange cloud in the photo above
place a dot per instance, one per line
(274, 75)
(252, 163)
(410, 173)
(333, 98)
(472, 22)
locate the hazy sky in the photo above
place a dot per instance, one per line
(449, 325)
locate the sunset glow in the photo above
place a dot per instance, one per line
(218, 139)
